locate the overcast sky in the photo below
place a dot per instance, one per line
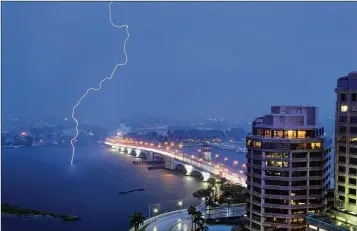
(230, 60)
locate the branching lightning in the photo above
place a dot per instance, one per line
(103, 80)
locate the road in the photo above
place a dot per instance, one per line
(181, 221)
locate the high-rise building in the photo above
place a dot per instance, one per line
(346, 148)
(288, 170)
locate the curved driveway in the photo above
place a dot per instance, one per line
(182, 221)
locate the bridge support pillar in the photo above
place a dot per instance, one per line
(149, 156)
(137, 151)
(129, 151)
(189, 169)
(169, 163)
(206, 176)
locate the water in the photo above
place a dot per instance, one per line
(42, 178)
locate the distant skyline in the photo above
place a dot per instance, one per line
(230, 60)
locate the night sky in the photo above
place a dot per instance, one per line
(186, 60)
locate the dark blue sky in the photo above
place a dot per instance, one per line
(230, 60)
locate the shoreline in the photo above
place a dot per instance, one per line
(15, 211)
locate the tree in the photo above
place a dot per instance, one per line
(191, 211)
(136, 220)
(209, 203)
(198, 219)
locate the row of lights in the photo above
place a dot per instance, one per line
(168, 145)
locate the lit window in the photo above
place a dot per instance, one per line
(301, 134)
(344, 108)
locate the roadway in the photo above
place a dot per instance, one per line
(211, 167)
(181, 221)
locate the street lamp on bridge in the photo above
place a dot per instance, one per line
(155, 209)
(192, 157)
(217, 155)
(225, 159)
(236, 163)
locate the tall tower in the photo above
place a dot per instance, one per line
(206, 151)
(288, 169)
(346, 148)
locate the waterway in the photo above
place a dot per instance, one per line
(42, 178)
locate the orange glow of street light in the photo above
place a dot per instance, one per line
(244, 165)
(225, 158)
(235, 162)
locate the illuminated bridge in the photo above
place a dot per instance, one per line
(174, 159)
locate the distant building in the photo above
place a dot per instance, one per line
(288, 170)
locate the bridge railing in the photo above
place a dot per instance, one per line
(168, 214)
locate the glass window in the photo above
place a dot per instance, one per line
(342, 97)
(315, 145)
(353, 119)
(267, 133)
(353, 97)
(343, 119)
(352, 201)
(344, 108)
(279, 134)
(301, 134)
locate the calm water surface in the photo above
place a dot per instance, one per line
(42, 178)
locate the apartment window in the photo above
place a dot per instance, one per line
(353, 97)
(353, 119)
(342, 119)
(352, 181)
(352, 171)
(353, 151)
(353, 139)
(342, 97)
(351, 201)
(341, 189)
(315, 145)
(257, 144)
(342, 138)
(341, 198)
(353, 130)
(352, 191)
(341, 169)
(344, 108)
(341, 149)
(301, 134)
(353, 161)
(341, 129)
(267, 133)
(290, 134)
(341, 179)
(342, 159)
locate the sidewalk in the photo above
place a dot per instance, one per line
(180, 220)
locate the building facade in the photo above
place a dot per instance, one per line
(346, 149)
(288, 170)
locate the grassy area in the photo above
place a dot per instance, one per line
(14, 210)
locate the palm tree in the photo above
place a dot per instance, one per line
(212, 183)
(136, 220)
(209, 203)
(191, 211)
(228, 194)
(198, 219)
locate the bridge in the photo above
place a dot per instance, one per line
(175, 159)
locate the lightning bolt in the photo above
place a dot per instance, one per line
(103, 80)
